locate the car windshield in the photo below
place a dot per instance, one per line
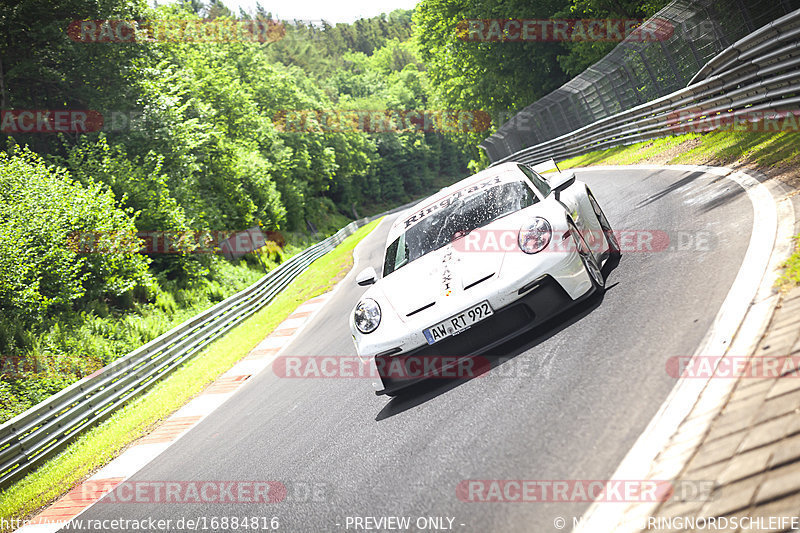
(458, 218)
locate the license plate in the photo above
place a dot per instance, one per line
(458, 323)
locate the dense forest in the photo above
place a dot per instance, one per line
(192, 135)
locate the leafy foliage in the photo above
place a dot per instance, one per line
(189, 143)
(40, 272)
(502, 77)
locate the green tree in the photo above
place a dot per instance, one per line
(61, 243)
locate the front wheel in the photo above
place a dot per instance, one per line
(587, 257)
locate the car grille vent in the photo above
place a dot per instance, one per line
(424, 307)
(479, 281)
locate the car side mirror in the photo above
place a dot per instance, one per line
(561, 181)
(368, 276)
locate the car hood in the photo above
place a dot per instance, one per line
(442, 274)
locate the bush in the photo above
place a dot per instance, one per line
(42, 274)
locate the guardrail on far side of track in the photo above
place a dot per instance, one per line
(757, 78)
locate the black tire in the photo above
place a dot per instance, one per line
(605, 226)
(587, 257)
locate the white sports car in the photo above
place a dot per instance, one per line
(477, 263)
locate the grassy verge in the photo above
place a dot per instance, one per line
(104, 442)
(764, 151)
(776, 154)
(791, 274)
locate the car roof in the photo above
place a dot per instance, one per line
(504, 172)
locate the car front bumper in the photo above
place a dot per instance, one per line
(538, 301)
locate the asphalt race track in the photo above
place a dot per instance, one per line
(567, 404)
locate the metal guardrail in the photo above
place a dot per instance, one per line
(37, 434)
(638, 70)
(758, 73)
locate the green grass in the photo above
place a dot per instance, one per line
(625, 155)
(761, 150)
(791, 274)
(101, 444)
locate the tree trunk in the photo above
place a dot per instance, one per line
(2, 86)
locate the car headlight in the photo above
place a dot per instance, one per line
(367, 315)
(534, 236)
